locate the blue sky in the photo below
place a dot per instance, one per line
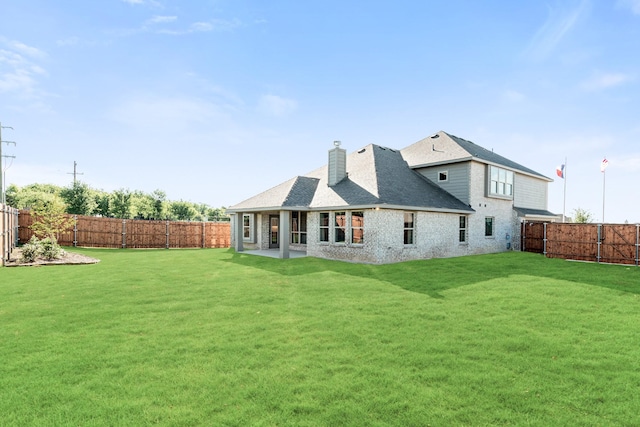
(214, 101)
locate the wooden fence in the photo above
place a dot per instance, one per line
(90, 231)
(8, 231)
(608, 243)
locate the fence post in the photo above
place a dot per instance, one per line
(124, 234)
(544, 239)
(204, 234)
(75, 231)
(3, 227)
(637, 244)
(167, 234)
(599, 242)
(523, 234)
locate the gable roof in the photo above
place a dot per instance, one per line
(376, 177)
(426, 152)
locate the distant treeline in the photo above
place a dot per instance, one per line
(81, 199)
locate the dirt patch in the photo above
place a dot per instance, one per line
(69, 258)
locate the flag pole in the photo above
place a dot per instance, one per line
(603, 167)
(604, 174)
(564, 192)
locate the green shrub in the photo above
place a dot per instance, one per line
(51, 249)
(31, 250)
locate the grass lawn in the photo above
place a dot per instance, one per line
(211, 337)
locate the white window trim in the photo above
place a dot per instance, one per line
(411, 228)
(499, 195)
(320, 227)
(446, 173)
(466, 230)
(250, 226)
(351, 228)
(335, 227)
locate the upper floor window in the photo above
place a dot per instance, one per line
(299, 227)
(340, 227)
(324, 226)
(443, 176)
(501, 182)
(409, 228)
(357, 227)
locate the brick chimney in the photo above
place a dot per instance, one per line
(337, 164)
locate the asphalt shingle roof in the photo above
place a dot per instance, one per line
(376, 176)
(424, 152)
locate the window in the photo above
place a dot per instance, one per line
(357, 227)
(247, 227)
(299, 227)
(501, 182)
(340, 227)
(443, 176)
(488, 226)
(409, 228)
(324, 226)
(463, 229)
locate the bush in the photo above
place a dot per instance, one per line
(47, 248)
(31, 250)
(51, 249)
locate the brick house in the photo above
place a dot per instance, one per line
(440, 197)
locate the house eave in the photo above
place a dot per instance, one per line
(479, 160)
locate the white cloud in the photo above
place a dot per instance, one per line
(558, 24)
(19, 74)
(27, 50)
(162, 19)
(603, 81)
(201, 27)
(274, 105)
(634, 5)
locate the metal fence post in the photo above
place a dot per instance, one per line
(75, 231)
(637, 244)
(599, 242)
(167, 234)
(124, 234)
(544, 240)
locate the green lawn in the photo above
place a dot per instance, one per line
(210, 337)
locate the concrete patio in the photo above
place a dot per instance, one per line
(274, 253)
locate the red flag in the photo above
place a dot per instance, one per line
(560, 171)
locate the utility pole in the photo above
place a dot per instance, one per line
(74, 173)
(3, 199)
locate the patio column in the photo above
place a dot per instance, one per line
(239, 232)
(284, 233)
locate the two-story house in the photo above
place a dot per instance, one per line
(440, 197)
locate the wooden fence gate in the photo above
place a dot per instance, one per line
(607, 243)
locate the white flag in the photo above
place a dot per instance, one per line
(604, 164)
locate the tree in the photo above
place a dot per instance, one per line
(79, 199)
(50, 219)
(183, 211)
(217, 214)
(120, 203)
(27, 196)
(582, 216)
(101, 199)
